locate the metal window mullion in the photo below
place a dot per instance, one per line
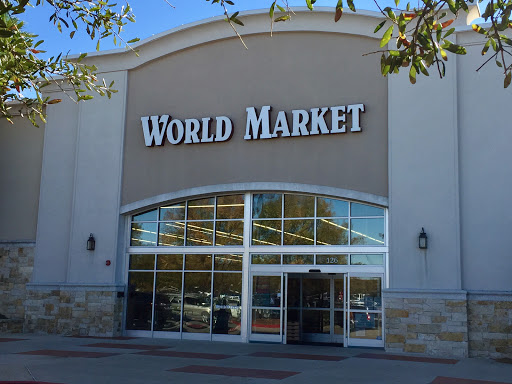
(246, 264)
(214, 240)
(154, 295)
(211, 297)
(182, 294)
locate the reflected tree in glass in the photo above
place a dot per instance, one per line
(267, 205)
(139, 306)
(299, 206)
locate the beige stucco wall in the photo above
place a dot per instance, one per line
(293, 70)
(21, 151)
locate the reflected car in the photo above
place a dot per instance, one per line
(198, 309)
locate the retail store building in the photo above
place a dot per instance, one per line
(271, 194)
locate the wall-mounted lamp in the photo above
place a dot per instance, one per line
(91, 243)
(422, 239)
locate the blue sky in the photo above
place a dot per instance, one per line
(153, 16)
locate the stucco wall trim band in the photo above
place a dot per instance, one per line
(490, 295)
(256, 186)
(449, 294)
(76, 287)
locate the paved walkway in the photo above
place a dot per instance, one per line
(71, 360)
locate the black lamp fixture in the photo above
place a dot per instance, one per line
(91, 243)
(422, 239)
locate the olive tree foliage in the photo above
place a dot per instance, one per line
(415, 38)
(24, 73)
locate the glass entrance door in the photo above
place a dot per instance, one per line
(266, 307)
(315, 310)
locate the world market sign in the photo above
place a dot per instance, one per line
(303, 123)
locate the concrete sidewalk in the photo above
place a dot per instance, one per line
(69, 360)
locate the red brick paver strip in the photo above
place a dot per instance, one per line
(104, 337)
(239, 372)
(8, 339)
(126, 346)
(189, 355)
(417, 359)
(51, 352)
(504, 360)
(298, 356)
(25, 382)
(454, 380)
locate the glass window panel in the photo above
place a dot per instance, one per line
(377, 259)
(200, 233)
(367, 232)
(198, 262)
(169, 262)
(366, 293)
(266, 291)
(267, 321)
(293, 293)
(197, 302)
(338, 293)
(230, 207)
(229, 262)
(332, 232)
(168, 301)
(338, 322)
(316, 293)
(143, 235)
(140, 301)
(267, 205)
(142, 262)
(316, 321)
(298, 259)
(146, 216)
(171, 234)
(266, 232)
(229, 233)
(201, 209)
(365, 325)
(227, 303)
(332, 259)
(173, 212)
(331, 208)
(365, 210)
(266, 259)
(299, 232)
(299, 206)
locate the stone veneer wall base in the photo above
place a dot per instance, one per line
(16, 266)
(74, 309)
(448, 323)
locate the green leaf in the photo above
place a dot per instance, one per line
(271, 11)
(309, 4)
(412, 74)
(454, 48)
(282, 18)
(378, 27)
(508, 78)
(133, 40)
(387, 36)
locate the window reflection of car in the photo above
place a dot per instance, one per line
(196, 309)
